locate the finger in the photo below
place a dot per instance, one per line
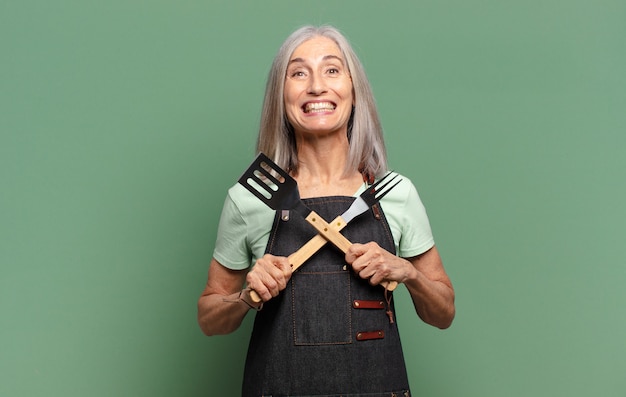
(374, 273)
(284, 266)
(355, 251)
(254, 282)
(376, 278)
(366, 273)
(260, 279)
(281, 271)
(269, 276)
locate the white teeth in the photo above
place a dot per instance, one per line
(318, 106)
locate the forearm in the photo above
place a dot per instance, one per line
(430, 288)
(221, 314)
(220, 309)
(433, 299)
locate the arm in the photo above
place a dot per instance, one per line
(431, 289)
(223, 305)
(424, 276)
(217, 314)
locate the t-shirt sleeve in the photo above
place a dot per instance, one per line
(417, 236)
(231, 248)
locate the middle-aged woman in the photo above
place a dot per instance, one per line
(325, 329)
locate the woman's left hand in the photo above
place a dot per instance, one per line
(374, 263)
(423, 275)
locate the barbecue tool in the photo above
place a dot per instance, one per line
(365, 201)
(278, 190)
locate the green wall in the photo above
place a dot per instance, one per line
(123, 122)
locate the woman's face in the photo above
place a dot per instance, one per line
(318, 88)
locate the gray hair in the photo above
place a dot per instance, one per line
(276, 138)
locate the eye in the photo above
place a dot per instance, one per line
(333, 71)
(296, 73)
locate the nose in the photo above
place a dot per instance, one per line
(316, 84)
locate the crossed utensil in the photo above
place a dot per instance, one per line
(279, 191)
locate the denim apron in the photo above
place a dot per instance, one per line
(329, 333)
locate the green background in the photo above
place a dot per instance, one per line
(124, 122)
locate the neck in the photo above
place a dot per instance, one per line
(322, 153)
(322, 168)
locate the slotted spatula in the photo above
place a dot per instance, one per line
(276, 188)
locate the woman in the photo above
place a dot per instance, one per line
(323, 330)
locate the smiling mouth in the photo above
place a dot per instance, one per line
(318, 107)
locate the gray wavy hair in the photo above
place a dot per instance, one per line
(276, 139)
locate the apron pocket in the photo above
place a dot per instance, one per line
(321, 308)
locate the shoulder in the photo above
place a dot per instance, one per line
(403, 192)
(245, 202)
(244, 208)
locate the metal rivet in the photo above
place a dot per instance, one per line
(356, 303)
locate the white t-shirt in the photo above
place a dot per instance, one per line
(246, 223)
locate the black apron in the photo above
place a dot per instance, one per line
(329, 332)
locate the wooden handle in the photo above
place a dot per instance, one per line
(328, 231)
(299, 257)
(389, 285)
(254, 297)
(331, 233)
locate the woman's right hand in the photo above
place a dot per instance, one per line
(269, 276)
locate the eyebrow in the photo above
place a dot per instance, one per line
(325, 58)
